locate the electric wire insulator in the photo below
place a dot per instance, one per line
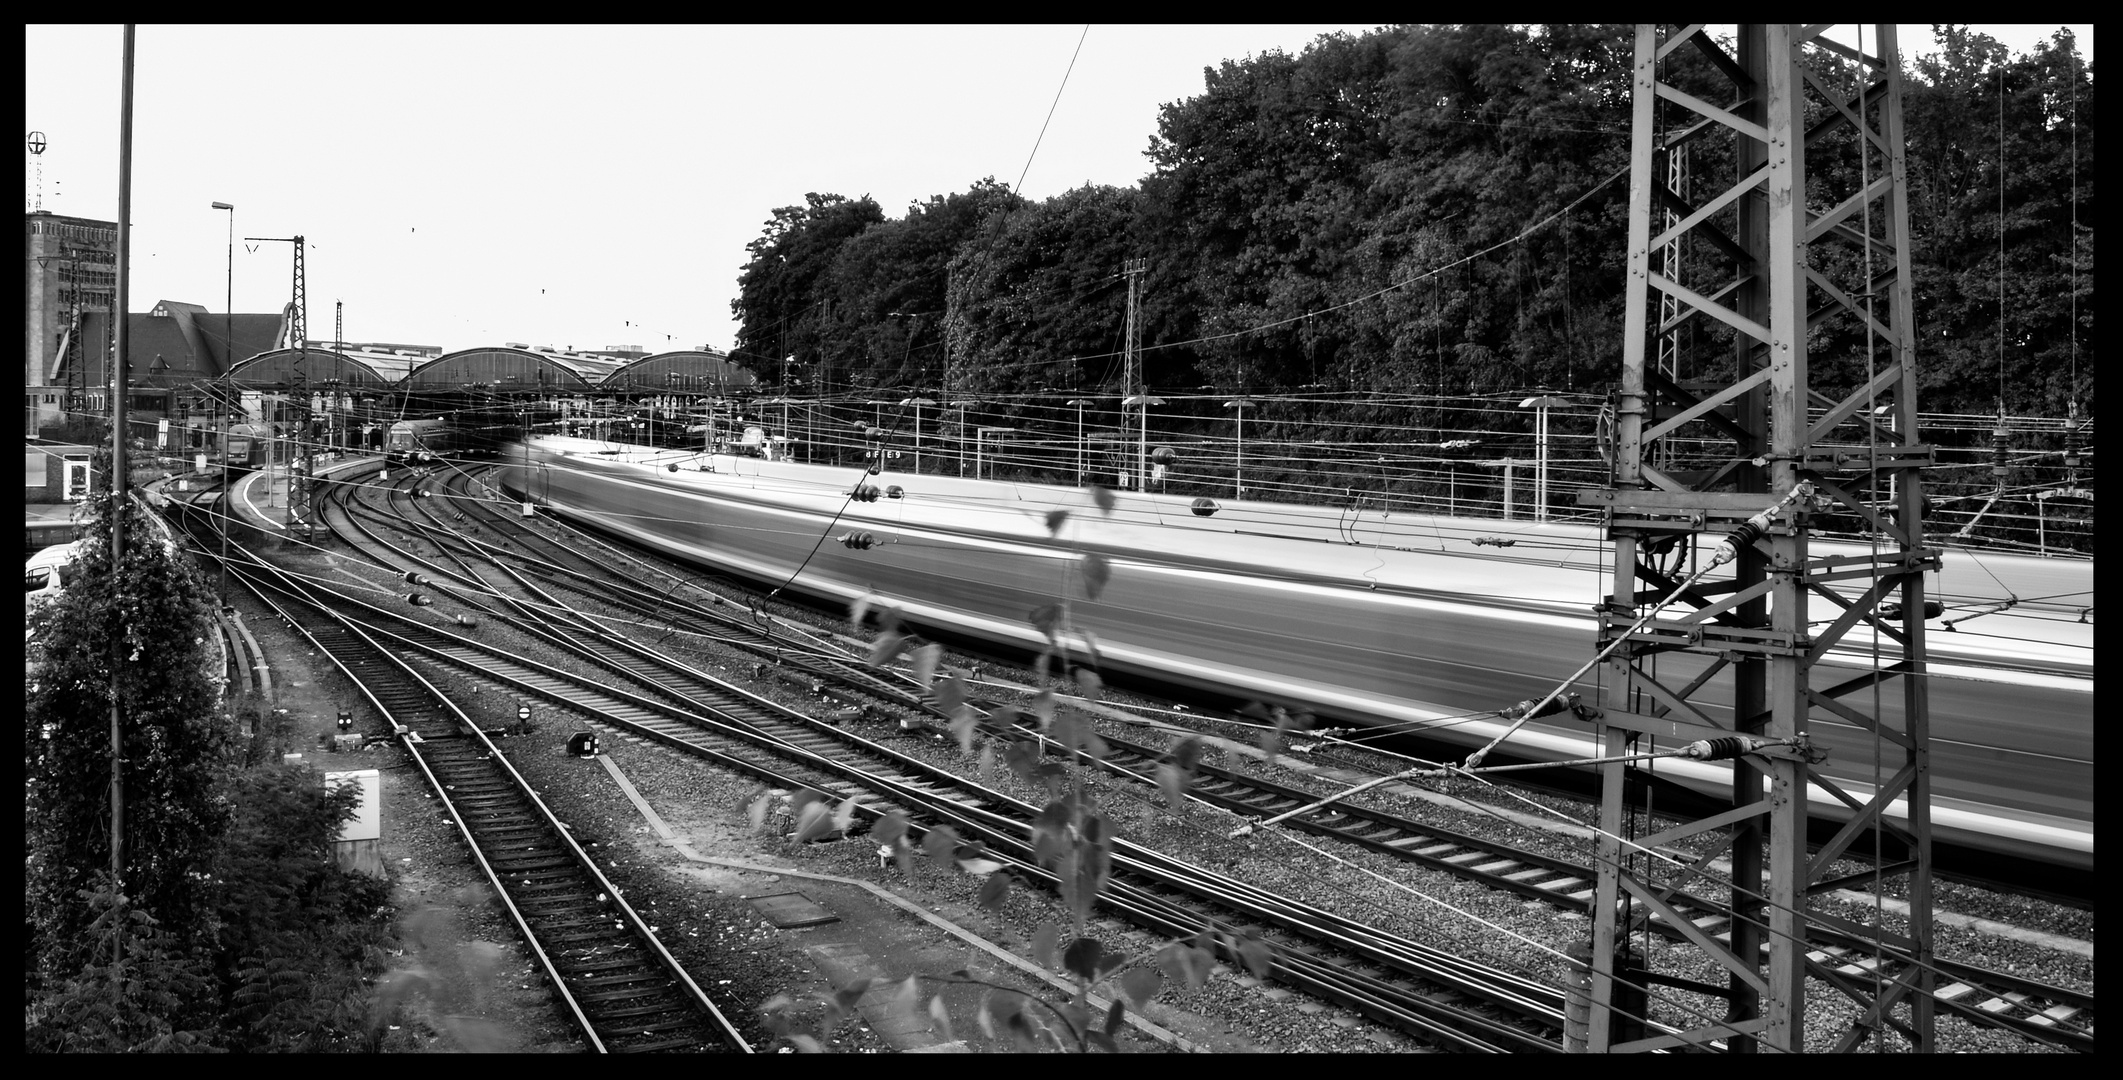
(2000, 441)
(1723, 749)
(1560, 703)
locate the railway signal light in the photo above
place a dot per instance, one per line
(583, 744)
(346, 721)
(860, 541)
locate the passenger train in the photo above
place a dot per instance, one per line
(1427, 624)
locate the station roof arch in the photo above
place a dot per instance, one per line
(684, 371)
(275, 369)
(507, 367)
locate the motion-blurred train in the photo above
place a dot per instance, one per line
(461, 435)
(1423, 623)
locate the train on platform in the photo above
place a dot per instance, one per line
(471, 434)
(1361, 623)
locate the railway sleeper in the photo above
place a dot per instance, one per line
(666, 1008)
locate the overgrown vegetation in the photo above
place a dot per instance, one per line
(230, 927)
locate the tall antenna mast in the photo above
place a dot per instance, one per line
(36, 157)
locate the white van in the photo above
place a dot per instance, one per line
(47, 572)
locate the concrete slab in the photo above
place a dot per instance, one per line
(790, 910)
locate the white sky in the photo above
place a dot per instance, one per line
(584, 186)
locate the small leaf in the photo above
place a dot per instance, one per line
(965, 724)
(1102, 1040)
(1091, 647)
(846, 997)
(887, 619)
(1088, 683)
(807, 1044)
(887, 648)
(1081, 958)
(816, 821)
(1187, 753)
(1043, 942)
(977, 867)
(1257, 955)
(860, 607)
(987, 763)
(1045, 618)
(1141, 985)
(844, 815)
(940, 842)
(1172, 780)
(941, 1016)
(1271, 742)
(1055, 518)
(1114, 1016)
(925, 660)
(996, 889)
(1097, 571)
(890, 828)
(1103, 498)
(949, 694)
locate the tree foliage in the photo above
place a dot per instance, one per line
(1324, 220)
(234, 928)
(147, 618)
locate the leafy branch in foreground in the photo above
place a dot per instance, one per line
(1049, 745)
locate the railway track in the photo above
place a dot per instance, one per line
(2042, 1011)
(2029, 1007)
(621, 990)
(1420, 990)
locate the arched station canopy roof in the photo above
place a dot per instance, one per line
(510, 368)
(275, 369)
(686, 371)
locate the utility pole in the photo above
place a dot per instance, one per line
(298, 483)
(1135, 268)
(1778, 460)
(119, 486)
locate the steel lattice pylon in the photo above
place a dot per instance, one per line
(1782, 252)
(298, 481)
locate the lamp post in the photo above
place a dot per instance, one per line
(917, 402)
(1142, 444)
(1238, 483)
(1541, 404)
(1080, 403)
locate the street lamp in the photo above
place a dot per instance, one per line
(1238, 483)
(1080, 403)
(1142, 445)
(1541, 404)
(917, 402)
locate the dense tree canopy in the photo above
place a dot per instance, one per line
(1430, 210)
